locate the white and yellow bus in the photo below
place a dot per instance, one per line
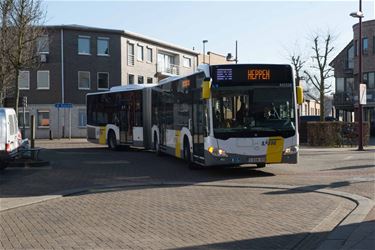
(228, 115)
(220, 115)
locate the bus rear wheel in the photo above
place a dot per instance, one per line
(261, 165)
(112, 142)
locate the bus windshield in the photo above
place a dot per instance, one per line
(253, 110)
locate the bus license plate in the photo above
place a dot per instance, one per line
(257, 159)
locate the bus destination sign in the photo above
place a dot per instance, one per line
(265, 74)
(258, 74)
(224, 74)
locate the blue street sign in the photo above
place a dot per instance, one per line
(63, 105)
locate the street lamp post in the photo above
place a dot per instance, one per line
(359, 15)
(204, 50)
(229, 56)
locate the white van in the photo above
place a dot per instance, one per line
(9, 134)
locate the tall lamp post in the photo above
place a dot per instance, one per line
(204, 50)
(229, 56)
(359, 15)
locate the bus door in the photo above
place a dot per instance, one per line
(126, 121)
(198, 123)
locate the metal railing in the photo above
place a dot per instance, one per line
(131, 60)
(171, 69)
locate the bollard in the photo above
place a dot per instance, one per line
(50, 135)
(32, 132)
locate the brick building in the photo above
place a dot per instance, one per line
(346, 75)
(76, 60)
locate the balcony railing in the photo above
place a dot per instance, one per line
(350, 99)
(131, 60)
(171, 69)
(343, 99)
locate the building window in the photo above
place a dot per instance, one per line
(20, 119)
(130, 54)
(149, 55)
(149, 79)
(139, 53)
(140, 79)
(84, 45)
(103, 46)
(349, 85)
(84, 80)
(371, 80)
(82, 118)
(356, 47)
(130, 79)
(187, 62)
(24, 80)
(43, 79)
(365, 45)
(103, 80)
(350, 57)
(43, 118)
(166, 64)
(340, 85)
(42, 44)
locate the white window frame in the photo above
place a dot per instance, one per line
(84, 53)
(186, 59)
(89, 80)
(28, 80)
(131, 55)
(97, 80)
(97, 45)
(49, 117)
(129, 79)
(46, 45)
(140, 56)
(147, 54)
(37, 80)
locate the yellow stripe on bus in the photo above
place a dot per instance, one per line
(275, 150)
(102, 136)
(178, 144)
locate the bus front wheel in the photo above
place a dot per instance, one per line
(112, 142)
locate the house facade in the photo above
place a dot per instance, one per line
(76, 60)
(347, 77)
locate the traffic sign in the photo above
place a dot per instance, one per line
(63, 105)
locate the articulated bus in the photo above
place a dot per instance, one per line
(228, 115)
(220, 115)
(120, 116)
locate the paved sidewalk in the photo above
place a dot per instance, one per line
(118, 174)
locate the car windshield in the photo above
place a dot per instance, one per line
(267, 110)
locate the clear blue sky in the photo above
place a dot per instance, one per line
(265, 30)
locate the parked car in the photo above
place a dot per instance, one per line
(10, 135)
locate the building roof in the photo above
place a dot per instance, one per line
(124, 33)
(332, 63)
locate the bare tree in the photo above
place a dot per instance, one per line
(24, 20)
(322, 50)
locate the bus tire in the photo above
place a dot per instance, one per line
(261, 165)
(112, 142)
(187, 155)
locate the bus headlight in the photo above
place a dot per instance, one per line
(217, 152)
(291, 150)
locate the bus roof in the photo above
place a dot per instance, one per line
(125, 88)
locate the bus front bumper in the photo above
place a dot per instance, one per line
(234, 159)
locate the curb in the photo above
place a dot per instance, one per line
(338, 238)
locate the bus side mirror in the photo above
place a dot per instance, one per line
(299, 93)
(206, 90)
